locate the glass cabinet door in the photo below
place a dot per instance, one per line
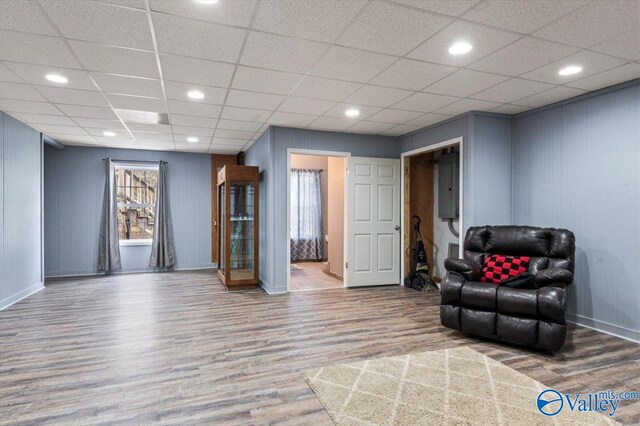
(242, 208)
(221, 227)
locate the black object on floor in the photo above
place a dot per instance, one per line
(418, 277)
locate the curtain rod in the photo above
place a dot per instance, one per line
(135, 161)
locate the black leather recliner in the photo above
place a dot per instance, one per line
(529, 317)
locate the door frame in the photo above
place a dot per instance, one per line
(321, 153)
(434, 147)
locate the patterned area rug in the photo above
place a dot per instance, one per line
(451, 386)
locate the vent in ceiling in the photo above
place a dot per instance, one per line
(143, 117)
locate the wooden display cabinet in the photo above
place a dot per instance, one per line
(237, 222)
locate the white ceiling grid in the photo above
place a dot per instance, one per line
(298, 63)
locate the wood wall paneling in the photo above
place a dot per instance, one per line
(217, 162)
(420, 203)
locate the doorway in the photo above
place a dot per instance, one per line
(432, 190)
(316, 221)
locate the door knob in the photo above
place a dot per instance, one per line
(397, 228)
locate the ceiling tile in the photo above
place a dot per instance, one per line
(412, 75)
(306, 106)
(369, 127)
(446, 7)
(427, 120)
(291, 120)
(233, 134)
(196, 71)
(191, 121)
(622, 46)
(110, 83)
(228, 143)
(117, 142)
(238, 125)
(65, 130)
(509, 109)
(512, 90)
(394, 116)
(136, 4)
(88, 112)
(100, 22)
(237, 13)
(156, 145)
(591, 63)
(137, 103)
(203, 141)
(521, 16)
(365, 111)
(58, 120)
(550, 96)
(281, 53)
(324, 88)
(193, 131)
(466, 105)
(266, 81)
(343, 63)
(424, 102)
(483, 39)
(400, 130)
(20, 91)
(593, 24)
(35, 49)
(21, 15)
(331, 124)
(75, 139)
(7, 75)
(116, 60)
(240, 98)
(73, 96)
(194, 38)
(377, 96)
(97, 123)
(194, 108)
(244, 114)
(35, 74)
(178, 91)
(144, 127)
(11, 105)
(464, 83)
(99, 131)
(390, 28)
(524, 55)
(317, 20)
(608, 78)
(153, 137)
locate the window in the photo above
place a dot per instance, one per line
(136, 186)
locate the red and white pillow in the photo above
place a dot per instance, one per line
(499, 267)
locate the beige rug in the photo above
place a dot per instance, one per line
(451, 386)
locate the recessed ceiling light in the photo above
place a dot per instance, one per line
(192, 139)
(207, 1)
(108, 133)
(56, 78)
(195, 94)
(570, 70)
(460, 48)
(352, 112)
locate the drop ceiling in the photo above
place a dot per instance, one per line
(298, 63)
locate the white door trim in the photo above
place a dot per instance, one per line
(444, 144)
(346, 156)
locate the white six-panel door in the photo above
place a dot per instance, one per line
(373, 255)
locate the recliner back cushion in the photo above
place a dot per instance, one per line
(547, 247)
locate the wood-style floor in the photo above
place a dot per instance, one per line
(310, 276)
(176, 348)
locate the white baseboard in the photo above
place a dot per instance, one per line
(265, 286)
(604, 327)
(72, 274)
(5, 303)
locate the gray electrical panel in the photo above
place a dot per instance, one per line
(449, 186)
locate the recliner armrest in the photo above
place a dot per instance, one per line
(553, 276)
(468, 270)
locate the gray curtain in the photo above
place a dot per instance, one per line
(109, 245)
(307, 241)
(162, 252)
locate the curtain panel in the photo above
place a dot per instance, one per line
(108, 243)
(162, 250)
(307, 241)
